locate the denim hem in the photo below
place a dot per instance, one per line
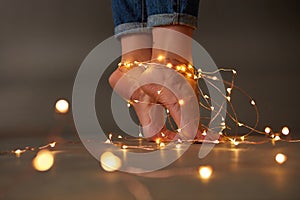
(132, 27)
(171, 19)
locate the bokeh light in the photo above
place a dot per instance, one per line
(285, 130)
(205, 172)
(62, 106)
(110, 162)
(280, 158)
(43, 161)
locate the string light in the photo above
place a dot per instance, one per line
(268, 130)
(62, 106)
(280, 158)
(285, 130)
(205, 172)
(43, 161)
(110, 162)
(181, 102)
(160, 58)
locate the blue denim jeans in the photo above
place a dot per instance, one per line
(132, 16)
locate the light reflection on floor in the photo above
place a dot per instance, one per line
(242, 172)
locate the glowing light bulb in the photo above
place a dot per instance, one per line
(267, 130)
(18, 152)
(228, 98)
(43, 161)
(214, 78)
(158, 92)
(253, 102)
(243, 138)
(52, 144)
(62, 106)
(280, 158)
(128, 105)
(183, 68)
(234, 72)
(178, 67)
(205, 172)
(181, 102)
(162, 134)
(157, 140)
(277, 137)
(162, 145)
(124, 146)
(160, 57)
(120, 136)
(169, 65)
(178, 146)
(229, 90)
(285, 130)
(179, 130)
(110, 162)
(204, 133)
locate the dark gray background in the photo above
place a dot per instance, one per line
(43, 42)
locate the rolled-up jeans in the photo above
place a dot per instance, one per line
(134, 16)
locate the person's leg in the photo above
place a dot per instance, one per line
(173, 25)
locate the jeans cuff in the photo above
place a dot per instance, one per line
(132, 27)
(172, 19)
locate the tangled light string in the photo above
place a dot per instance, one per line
(190, 73)
(205, 102)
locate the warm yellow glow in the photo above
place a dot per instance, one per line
(178, 146)
(253, 102)
(205, 172)
(162, 145)
(204, 133)
(277, 137)
(240, 124)
(229, 90)
(43, 161)
(212, 108)
(178, 67)
(243, 138)
(228, 98)
(285, 131)
(181, 102)
(169, 65)
(52, 144)
(158, 92)
(234, 142)
(190, 66)
(157, 140)
(128, 104)
(62, 106)
(189, 75)
(120, 136)
(160, 57)
(110, 162)
(124, 146)
(280, 158)
(18, 152)
(233, 71)
(183, 68)
(179, 130)
(267, 130)
(162, 134)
